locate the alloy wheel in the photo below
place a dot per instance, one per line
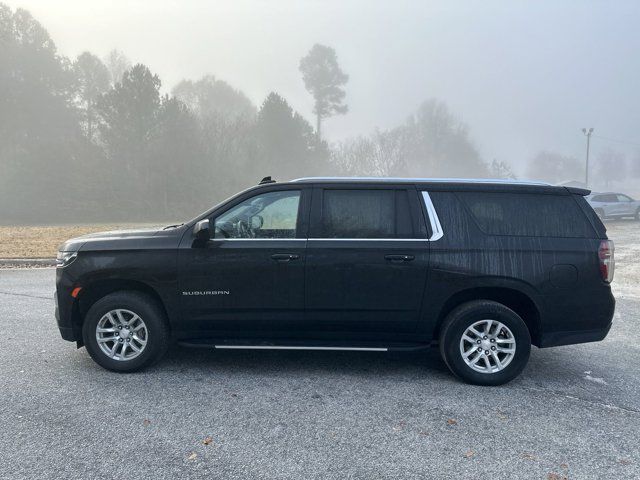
(121, 334)
(488, 346)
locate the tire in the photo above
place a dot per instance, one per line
(499, 340)
(154, 331)
(637, 216)
(600, 213)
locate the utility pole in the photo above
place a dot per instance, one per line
(588, 134)
(318, 121)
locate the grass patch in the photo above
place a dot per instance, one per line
(43, 241)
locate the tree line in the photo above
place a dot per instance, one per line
(98, 139)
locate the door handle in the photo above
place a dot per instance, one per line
(399, 258)
(285, 257)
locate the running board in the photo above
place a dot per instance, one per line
(291, 347)
(290, 344)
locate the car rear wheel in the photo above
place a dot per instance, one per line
(125, 331)
(485, 343)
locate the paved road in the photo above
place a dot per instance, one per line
(575, 411)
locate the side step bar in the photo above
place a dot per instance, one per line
(286, 347)
(248, 344)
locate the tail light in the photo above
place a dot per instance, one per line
(607, 261)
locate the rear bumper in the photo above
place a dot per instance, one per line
(577, 318)
(556, 339)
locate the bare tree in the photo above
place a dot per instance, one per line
(611, 165)
(432, 142)
(380, 154)
(117, 63)
(439, 144)
(554, 167)
(501, 169)
(635, 165)
(212, 97)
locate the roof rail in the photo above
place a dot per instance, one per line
(421, 180)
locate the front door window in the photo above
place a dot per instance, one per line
(270, 215)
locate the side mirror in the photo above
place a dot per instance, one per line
(202, 230)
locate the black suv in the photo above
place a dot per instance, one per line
(483, 269)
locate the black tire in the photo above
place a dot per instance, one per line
(465, 315)
(148, 310)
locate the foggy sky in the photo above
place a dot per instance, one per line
(525, 76)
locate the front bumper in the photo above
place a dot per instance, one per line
(66, 331)
(64, 307)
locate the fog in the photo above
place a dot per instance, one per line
(513, 83)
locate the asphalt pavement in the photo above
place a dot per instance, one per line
(573, 413)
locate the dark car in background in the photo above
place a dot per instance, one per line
(482, 269)
(614, 205)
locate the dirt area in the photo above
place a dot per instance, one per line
(43, 241)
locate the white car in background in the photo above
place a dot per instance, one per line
(614, 205)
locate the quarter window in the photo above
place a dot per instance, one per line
(268, 215)
(365, 214)
(527, 214)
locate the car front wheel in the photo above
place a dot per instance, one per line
(485, 343)
(125, 331)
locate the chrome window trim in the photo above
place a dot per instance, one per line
(321, 239)
(259, 239)
(436, 231)
(369, 239)
(436, 228)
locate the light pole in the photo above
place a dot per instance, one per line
(588, 134)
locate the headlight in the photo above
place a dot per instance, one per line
(65, 258)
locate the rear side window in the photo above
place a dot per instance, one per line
(606, 198)
(365, 214)
(525, 214)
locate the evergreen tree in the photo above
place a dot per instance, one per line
(128, 113)
(287, 146)
(324, 79)
(92, 78)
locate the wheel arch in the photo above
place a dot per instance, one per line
(516, 300)
(98, 289)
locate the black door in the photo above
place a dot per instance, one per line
(367, 259)
(249, 279)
